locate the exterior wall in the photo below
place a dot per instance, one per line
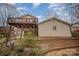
(46, 29)
(31, 18)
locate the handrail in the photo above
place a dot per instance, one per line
(59, 49)
(18, 20)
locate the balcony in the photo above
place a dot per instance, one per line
(22, 21)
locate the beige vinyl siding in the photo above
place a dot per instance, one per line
(46, 29)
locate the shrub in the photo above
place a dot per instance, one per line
(1, 35)
(4, 52)
(19, 50)
(29, 41)
(37, 51)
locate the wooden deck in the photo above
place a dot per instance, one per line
(51, 44)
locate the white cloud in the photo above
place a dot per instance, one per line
(23, 8)
(35, 5)
(39, 16)
(58, 8)
(12, 3)
(54, 5)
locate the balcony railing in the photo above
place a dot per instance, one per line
(18, 20)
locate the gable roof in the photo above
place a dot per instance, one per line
(54, 18)
(23, 16)
(27, 15)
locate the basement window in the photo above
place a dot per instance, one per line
(54, 28)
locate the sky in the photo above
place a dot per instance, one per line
(36, 9)
(44, 10)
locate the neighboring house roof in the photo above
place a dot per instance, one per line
(75, 26)
(54, 18)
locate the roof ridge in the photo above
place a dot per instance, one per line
(27, 15)
(55, 18)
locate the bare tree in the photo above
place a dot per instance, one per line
(7, 11)
(72, 9)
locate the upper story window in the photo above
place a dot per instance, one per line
(31, 21)
(34, 21)
(54, 28)
(25, 20)
(28, 20)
